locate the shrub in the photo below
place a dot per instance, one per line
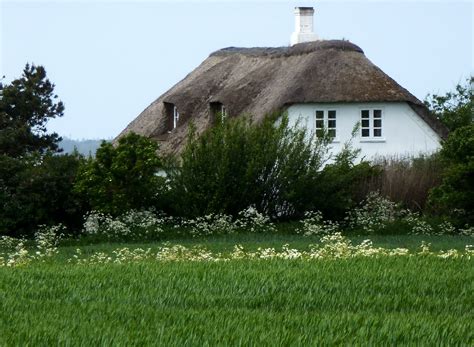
(454, 109)
(454, 196)
(275, 168)
(337, 188)
(122, 178)
(38, 190)
(236, 164)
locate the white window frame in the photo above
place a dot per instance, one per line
(326, 120)
(175, 117)
(223, 113)
(372, 127)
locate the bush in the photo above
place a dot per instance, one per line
(275, 168)
(122, 178)
(454, 197)
(454, 109)
(237, 164)
(38, 189)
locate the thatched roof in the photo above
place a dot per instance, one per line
(259, 81)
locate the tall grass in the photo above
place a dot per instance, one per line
(384, 301)
(406, 180)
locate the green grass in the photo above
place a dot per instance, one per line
(225, 243)
(364, 301)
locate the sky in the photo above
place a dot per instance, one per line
(110, 59)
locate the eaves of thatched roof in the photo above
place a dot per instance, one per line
(259, 81)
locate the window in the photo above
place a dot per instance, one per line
(218, 111)
(172, 115)
(175, 117)
(223, 113)
(371, 123)
(326, 121)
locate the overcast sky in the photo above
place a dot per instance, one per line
(111, 59)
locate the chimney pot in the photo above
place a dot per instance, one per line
(303, 26)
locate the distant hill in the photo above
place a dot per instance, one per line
(84, 146)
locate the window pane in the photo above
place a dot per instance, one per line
(365, 123)
(320, 114)
(332, 132)
(377, 113)
(319, 124)
(377, 132)
(377, 123)
(332, 114)
(332, 123)
(319, 133)
(365, 132)
(365, 113)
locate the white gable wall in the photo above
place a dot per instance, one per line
(404, 133)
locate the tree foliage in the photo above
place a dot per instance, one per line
(38, 190)
(454, 109)
(454, 196)
(27, 105)
(277, 168)
(35, 184)
(123, 177)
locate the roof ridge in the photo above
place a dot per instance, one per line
(298, 49)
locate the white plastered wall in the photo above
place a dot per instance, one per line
(404, 133)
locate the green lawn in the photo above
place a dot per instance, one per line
(222, 243)
(370, 301)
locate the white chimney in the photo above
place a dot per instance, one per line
(303, 26)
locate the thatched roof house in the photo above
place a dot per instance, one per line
(259, 81)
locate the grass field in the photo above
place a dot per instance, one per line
(387, 300)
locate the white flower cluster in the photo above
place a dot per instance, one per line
(376, 212)
(334, 246)
(373, 214)
(8, 243)
(46, 240)
(133, 225)
(19, 257)
(417, 224)
(138, 225)
(467, 231)
(315, 225)
(422, 227)
(118, 256)
(211, 224)
(180, 253)
(252, 220)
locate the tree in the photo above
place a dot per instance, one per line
(455, 109)
(27, 105)
(35, 183)
(38, 189)
(454, 196)
(270, 165)
(123, 177)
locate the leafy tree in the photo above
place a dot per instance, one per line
(123, 177)
(35, 184)
(270, 165)
(454, 196)
(38, 189)
(454, 109)
(27, 105)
